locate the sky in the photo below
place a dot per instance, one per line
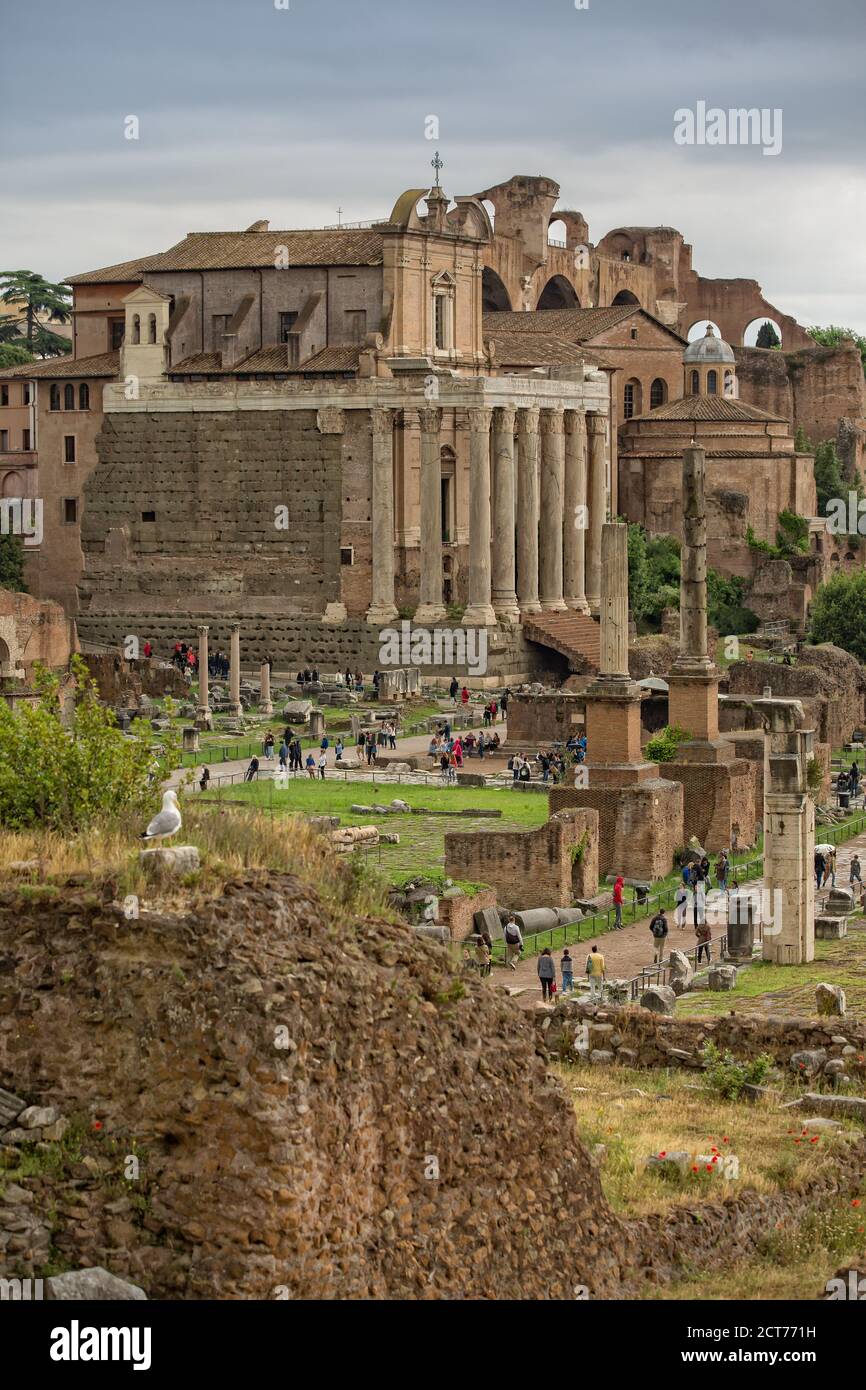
(291, 109)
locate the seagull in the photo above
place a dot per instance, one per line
(167, 822)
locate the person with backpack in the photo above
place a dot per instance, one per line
(205, 778)
(617, 902)
(513, 942)
(546, 974)
(820, 866)
(659, 928)
(567, 969)
(595, 973)
(703, 933)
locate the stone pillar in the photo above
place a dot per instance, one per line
(788, 928)
(575, 513)
(382, 607)
(203, 718)
(235, 706)
(503, 565)
(480, 611)
(265, 704)
(551, 504)
(614, 602)
(597, 499)
(693, 696)
(430, 606)
(527, 511)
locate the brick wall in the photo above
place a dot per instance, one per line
(531, 868)
(640, 827)
(718, 799)
(536, 721)
(457, 913)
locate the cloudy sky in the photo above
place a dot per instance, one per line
(289, 109)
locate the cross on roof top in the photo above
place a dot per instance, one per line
(438, 164)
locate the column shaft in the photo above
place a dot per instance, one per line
(527, 511)
(503, 560)
(430, 606)
(552, 497)
(597, 507)
(235, 671)
(576, 513)
(265, 703)
(614, 601)
(382, 607)
(203, 714)
(480, 611)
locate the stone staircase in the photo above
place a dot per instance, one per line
(575, 636)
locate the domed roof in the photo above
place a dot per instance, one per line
(710, 348)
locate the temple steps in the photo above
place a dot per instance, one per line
(576, 636)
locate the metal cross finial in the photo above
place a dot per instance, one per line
(438, 164)
(339, 217)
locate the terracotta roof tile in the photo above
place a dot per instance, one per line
(102, 364)
(575, 325)
(718, 408)
(239, 250)
(536, 350)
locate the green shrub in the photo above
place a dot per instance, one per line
(727, 1077)
(662, 748)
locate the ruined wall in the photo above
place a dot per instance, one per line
(831, 682)
(536, 721)
(814, 387)
(33, 631)
(532, 868)
(640, 827)
(718, 802)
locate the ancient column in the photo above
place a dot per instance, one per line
(480, 611)
(203, 718)
(382, 608)
(551, 503)
(613, 608)
(575, 513)
(693, 568)
(527, 510)
(235, 707)
(503, 565)
(597, 499)
(788, 909)
(265, 704)
(430, 606)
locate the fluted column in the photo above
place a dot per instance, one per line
(575, 513)
(597, 492)
(527, 510)
(430, 608)
(235, 706)
(614, 601)
(552, 496)
(265, 703)
(480, 611)
(203, 717)
(503, 562)
(382, 607)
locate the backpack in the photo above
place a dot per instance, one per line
(512, 935)
(658, 929)
(589, 965)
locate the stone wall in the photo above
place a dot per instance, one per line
(830, 682)
(31, 632)
(813, 386)
(718, 801)
(536, 721)
(457, 913)
(640, 827)
(532, 868)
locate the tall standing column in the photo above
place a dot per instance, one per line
(552, 497)
(203, 718)
(382, 607)
(430, 607)
(235, 706)
(575, 513)
(503, 565)
(614, 602)
(597, 491)
(265, 703)
(480, 611)
(527, 510)
(693, 579)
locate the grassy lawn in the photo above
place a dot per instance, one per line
(422, 845)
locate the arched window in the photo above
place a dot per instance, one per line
(69, 396)
(136, 328)
(696, 383)
(631, 399)
(443, 312)
(658, 393)
(712, 382)
(84, 396)
(55, 397)
(151, 328)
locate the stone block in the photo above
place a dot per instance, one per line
(830, 1000)
(91, 1285)
(10, 1108)
(722, 977)
(840, 900)
(809, 1062)
(171, 862)
(35, 1116)
(599, 1057)
(830, 928)
(854, 1107)
(659, 999)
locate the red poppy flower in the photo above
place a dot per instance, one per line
(694, 1169)
(814, 1139)
(856, 1202)
(709, 1167)
(663, 1153)
(97, 1124)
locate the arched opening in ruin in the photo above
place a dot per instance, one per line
(763, 333)
(557, 233)
(5, 660)
(625, 297)
(558, 293)
(494, 295)
(490, 210)
(699, 329)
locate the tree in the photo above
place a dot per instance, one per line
(12, 564)
(832, 335)
(13, 356)
(829, 482)
(33, 295)
(839, 612)
(653, 575)
(767, 336)
(726, 610)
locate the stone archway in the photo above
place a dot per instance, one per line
(7, 667)
(494, 295)
(558, 293)
(625, 297)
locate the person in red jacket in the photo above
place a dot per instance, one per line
(464, 695)
(617, 903)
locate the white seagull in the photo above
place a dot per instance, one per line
(167, 822)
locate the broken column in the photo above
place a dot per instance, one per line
(265, 703)
(235, 707)
(203, 717)
(789, 834)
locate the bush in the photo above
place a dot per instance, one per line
(726, 610)
(662, 748)
(727, 1077)
(839, 613)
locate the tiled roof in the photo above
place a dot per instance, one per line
(239, 250)
(716, 408)
(333, 359)
(273, 359)
(574, 324)
(102, 364)
(536, 350)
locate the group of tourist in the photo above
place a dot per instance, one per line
(848, 784)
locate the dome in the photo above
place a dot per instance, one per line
(710, 348)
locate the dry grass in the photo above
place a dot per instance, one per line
(773, 1154)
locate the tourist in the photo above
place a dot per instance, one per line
(392, 736)
(433, 749)
(453, 689)
(443, 764)
(503, 703)
(325, 743)
(347, 677)
(546, 973)
(359, 681)
(268, 746)
(482, 743)
(566, 966)
(513, 941)
(315, 675)
(284, 756)
(525, 774)
(252, 771)
(323, 763)
(722, 871)
(148, 651)
(464, 696)
(372, 751)
(338, 750)
(482, 955)
(855, 869)
(596, 972)
(376, 679)
(820, 866)
(311, 766)
(296, 746)
(659, 928)
(681, 904)
(204, 779)
(494, 711)
(704, 934)
(453, 766)
(830, 869)
(617, 903)
(493, 741)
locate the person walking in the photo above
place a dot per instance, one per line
(659, 928)
(269, 745)
(453, 689)
(323, 763)
(830, 870)
(681, 905)
(854, 869)
(252, 771)
(566, 966)
(464, 696)
(546, 973)
(596, 972)
(482, 955)
(284, 755)
(513, 942)
(722, 871)
(204, 779)
(617, 903)
(703, 932)
(311, 767)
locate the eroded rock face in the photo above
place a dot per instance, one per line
(319, 1105)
